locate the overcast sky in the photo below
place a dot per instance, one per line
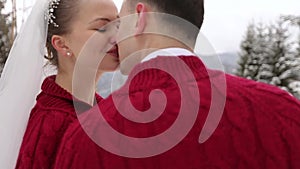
(226, 21)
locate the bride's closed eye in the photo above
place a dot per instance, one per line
(99, 24)
(99, 27)
(102, 29)
(109, 26)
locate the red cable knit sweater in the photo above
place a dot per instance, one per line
(259, 129)
(50, 117)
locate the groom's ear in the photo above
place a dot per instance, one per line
(141, 22)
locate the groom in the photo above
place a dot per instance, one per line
(171, 113)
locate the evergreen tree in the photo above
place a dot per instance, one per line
(247, 50)
(253, 50)
(281, 54)
(298, 46)
(294, 85)
(267, 55)
(294, 20)
(298, 42)
(262, 51)
(5, 41)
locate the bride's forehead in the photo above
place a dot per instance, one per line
(97, 3)
(98, 7)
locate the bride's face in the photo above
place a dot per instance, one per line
(93, 34)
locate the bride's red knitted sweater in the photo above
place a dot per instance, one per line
(259, 128)
(48, 121)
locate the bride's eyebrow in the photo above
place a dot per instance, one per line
(103, 19)
(100, 19)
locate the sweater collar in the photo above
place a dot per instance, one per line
(169, 52)
(50, 87)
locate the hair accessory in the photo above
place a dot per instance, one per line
(53, 4)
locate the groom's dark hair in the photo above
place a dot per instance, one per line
(190, 10)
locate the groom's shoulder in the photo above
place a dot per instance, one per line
(260, 95)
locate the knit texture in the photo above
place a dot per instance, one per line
(48, 121)
(259, 128)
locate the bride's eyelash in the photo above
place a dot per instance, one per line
(107, 27)
(101, 30)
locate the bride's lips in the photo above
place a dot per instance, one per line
(114, 51)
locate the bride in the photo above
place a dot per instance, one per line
(70, 26)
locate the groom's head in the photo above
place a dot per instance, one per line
(157, 24)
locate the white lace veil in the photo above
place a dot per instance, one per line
(20, 83)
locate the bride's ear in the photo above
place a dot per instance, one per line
(59, 44)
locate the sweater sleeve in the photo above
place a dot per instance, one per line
(82, 154)
(279, 127)
(264, 125)
(42, 137)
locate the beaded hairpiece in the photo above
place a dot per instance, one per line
(53, 4)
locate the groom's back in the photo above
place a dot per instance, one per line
(259, 127)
